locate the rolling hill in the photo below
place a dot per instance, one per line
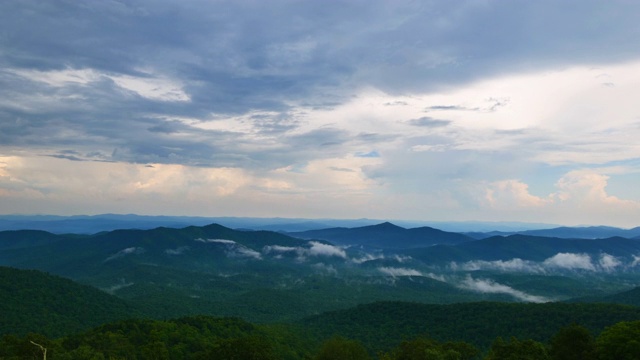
(33, 301)
(382, 325)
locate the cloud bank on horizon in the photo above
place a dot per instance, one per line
(432, 110)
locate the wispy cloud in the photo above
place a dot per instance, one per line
(125, 252)
(177, 251)
(570, 261)
(315, 249)
(233, 249)
(394, 271)
(367, 257)
(492, 287)
(512, 265)
(403, 271)
(559, 262)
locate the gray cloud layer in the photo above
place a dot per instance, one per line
(230, 58)
(259, 87)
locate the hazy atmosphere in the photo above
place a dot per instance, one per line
(422, 110)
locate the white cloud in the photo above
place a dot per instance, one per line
(177, 251)
(395, 272)
(513, 265)
(560, 262)
(608, 262)
(150, 86)
(154, 88)
(570, 261)
(589, 187)
(581, 197)
(244, 252)
(401, 258)
(492, 287)
(233, 249)
(112, 289)
(125, 252)
(60, 78)
(279, 248)
(219, 241)
(403, 271)
(321, 249)
(315, 249)
(368, 257)
(324, 268)
(513, 194)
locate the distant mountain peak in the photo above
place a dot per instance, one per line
(386, 226)
(387, 223)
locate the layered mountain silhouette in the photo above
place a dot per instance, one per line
(588, 232)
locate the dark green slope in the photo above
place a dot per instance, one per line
(382, 325)
(26, 238)
(630, 297)
(33, 301)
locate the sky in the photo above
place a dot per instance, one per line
(479, 110)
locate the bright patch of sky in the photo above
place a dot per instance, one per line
(466, 110)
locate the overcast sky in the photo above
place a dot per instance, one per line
(418, 110)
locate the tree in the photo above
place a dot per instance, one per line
(517, 350)
(423, 348)
(338, 348)
(251, 347)
(619, 342)
(573, 342)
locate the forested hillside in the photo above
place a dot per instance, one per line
(381, 325)
(296, 298)
(32, 301)
(378, 333)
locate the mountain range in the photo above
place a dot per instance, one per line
(272, 276)
(91, 224)
(377, 283)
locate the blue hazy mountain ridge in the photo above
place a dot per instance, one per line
(90, 224)
(385, 235)
(583, 232)
(525, 247)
